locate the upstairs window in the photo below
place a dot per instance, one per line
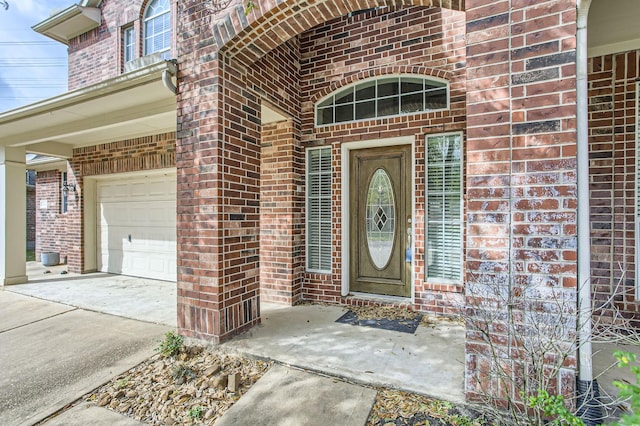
(157, 28)
(129, 44)
(383, 97)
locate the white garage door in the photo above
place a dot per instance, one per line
(137, 226)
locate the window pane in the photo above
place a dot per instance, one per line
(436, 99)
(325, 115)
(412, 103)
(388, 87)
(365, 91)
(380, 219)
(411, 85)
(346, 97)
(382, 98)
(444, 212)
(157, 28)
(129, 43)
(319, 175)
(365, 110)
(344, 113)
(388, 106)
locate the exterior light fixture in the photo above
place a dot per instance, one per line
(68, 187)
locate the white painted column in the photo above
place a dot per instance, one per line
(13, 216)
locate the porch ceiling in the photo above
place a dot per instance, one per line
(613, 26)
(131, 105)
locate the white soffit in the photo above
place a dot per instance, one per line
(128, 106)
(69, 23)
(269, 114)
(613, 26)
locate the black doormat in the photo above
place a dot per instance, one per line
(402, 325)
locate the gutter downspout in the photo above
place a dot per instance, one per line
(167, 74)
(589, 408)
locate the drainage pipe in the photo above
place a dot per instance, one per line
(172, 70)
(587, 388)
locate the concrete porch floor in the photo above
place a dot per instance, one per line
(429, 362)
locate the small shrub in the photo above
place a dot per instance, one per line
(629, 390)
(171, 344)
(181, 371)
(122, 382)
(553, 406)
(195, 412)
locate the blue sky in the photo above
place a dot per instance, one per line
(32, 67)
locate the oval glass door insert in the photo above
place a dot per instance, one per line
(381, 219)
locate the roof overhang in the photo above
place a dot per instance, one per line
(131, 105)
(613, 27)
(69, 23)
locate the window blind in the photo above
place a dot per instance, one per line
(319, 209)
(444, 207)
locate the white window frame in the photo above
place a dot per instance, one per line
(165, 51)
(427, 249)
(129, 43)
(376, 98)
(308, 209)
(637, 196)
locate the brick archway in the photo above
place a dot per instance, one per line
(248, 38)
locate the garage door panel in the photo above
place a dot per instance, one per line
(143, 209)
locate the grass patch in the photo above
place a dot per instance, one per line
(31, 255)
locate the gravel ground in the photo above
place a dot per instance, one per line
(196, 387)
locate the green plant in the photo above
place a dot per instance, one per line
(629, 390)
(122, 382)
(171, 344)
(195, 412)
(553, 406)
(182, 371)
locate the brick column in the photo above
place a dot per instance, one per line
(218, 167)
(281, 213)
(521, 183)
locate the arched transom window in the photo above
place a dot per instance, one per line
(157, 28)
(383, 97)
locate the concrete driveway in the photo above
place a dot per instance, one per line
(51, 354)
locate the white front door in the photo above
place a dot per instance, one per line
(137, 226)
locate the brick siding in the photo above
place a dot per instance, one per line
(51, 224)
(521, 186)
(98, 54)
(417, 40)
(612, 144)
(63, 233)
(281, 214)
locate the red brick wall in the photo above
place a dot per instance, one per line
(98, 55)
(51, 224)
(282, 216)
(521, 192)
(64, 232)
(424, 41)
(612, 144)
